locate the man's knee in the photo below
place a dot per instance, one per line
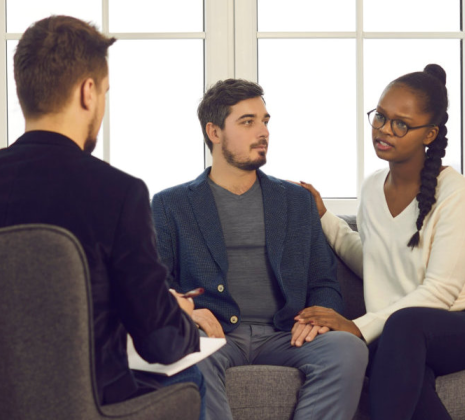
(341, 352)
(341, 362)
(215, 364)
(350, 351)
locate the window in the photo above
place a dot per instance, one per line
(322, 64)
(156, 78)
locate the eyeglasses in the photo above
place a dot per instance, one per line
(399, 128)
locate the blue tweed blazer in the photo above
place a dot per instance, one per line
(191, 244)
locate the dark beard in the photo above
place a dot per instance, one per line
(248, 165)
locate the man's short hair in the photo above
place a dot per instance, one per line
(218, 100)
(53, 55)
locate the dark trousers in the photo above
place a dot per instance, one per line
(416, 346)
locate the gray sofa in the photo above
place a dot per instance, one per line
(270, 392)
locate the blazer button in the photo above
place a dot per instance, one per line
(220, 288)
(234, 319)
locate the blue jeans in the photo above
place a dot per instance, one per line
(333, 364)
(417, 344)
(192, 374)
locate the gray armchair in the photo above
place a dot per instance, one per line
(46, 352)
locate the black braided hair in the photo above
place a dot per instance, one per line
(431, 85)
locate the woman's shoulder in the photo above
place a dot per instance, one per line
(450, 181)
(450, 190)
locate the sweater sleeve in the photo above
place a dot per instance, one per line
(345, 242)
(444, 277)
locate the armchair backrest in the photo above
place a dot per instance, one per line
(45, 333)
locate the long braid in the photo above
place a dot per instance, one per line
(429, 179)
(431, 85)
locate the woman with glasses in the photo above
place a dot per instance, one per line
(410, 249)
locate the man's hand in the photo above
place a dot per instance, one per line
(326, 317)
(187, 305)
(205, 319)
(304, 333)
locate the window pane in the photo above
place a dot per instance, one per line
(446, 53)
(306, 15)
(310, 93)
(156, 16)
(155, 88)
(22, 13)
(411, 15)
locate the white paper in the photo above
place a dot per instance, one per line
(207, 346)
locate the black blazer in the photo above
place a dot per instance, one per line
(46, 178)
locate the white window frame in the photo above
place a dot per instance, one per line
(231, 39)
(219, 55)
(246, 41)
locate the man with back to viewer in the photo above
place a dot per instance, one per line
(256, 245)
(48, 176)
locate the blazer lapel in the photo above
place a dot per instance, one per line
(205, 211)
(275, 211)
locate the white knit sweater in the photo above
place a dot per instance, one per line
(431, 275)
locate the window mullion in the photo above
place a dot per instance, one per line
(219, 40)
(246, 45)
(219, 46)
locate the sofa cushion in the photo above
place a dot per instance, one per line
(450, 389)
(263, 392)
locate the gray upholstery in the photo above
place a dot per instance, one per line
(451, 389)
(46, 357)
(246, 385)
(248, 389)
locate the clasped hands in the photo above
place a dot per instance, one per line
(308, 324)
(319, 320)
(301, 332)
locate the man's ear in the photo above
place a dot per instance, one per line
(213, 133)
(431, 135)
(88, 93)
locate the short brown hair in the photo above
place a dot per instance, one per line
(53, 55)
(218, 100)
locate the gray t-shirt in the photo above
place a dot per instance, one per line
(250, 278)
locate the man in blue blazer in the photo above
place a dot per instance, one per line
(256, 245)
